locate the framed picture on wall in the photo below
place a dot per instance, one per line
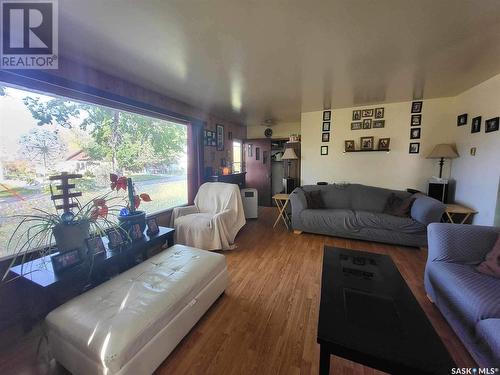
(367, 123)
(379, 112)
(327, 115)
(416, 107)
(491, 125)
(376, 124)
(366, 143)
(462, 119)
(356, 125)
(349, 145)
(414, 148)
(326, 126)
(383, 143)
(325, 137)
(416, 120)
(220, 137)
(324, 150)
(367, 113)
(415, 133)
(476, 125)
(356, 115)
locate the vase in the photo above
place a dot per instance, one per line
(72, 235)
(128, 221)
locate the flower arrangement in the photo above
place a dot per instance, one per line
(134, 200)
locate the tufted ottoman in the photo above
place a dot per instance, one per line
(130, 324)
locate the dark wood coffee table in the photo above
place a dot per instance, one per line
(370, 316)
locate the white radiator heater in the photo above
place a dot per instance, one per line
(250, 200)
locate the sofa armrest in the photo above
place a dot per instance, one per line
(182, 211)
(299, 203)
(460, 243)
(427, 210)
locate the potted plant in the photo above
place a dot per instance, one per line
(130, 216)
(37, 230)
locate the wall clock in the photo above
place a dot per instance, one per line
(268, 132)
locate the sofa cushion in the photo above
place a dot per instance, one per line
(470, 294)
(488, 335)
(314, 199)
(397, 206)
(491, 265)
(372, 199)
(337, 196)
(386, 221)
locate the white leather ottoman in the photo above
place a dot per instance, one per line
(130, 324)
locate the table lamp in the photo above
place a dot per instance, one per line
(443, 151)
(289, 155)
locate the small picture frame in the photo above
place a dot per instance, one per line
(324, 150)
(383, 143)
(367, 123)
(135, 232)
(367, 113)
(326, 126)
(115, 237)
(325, 137)
(152, 226)
(327, 115)
(491, 125)
(414, 148)
(356, 115)
(379, 112)
(95, 245)
(377, 124)
(66, 260)
(462, 119)
(416, 120)
(415, 133)
(356, 125)
(476, 125)
(366, 143)
(349, 145)
(416, 107)
(220, 137)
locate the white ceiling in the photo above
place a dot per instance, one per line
(251, 60)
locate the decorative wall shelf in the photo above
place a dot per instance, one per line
(367, 151)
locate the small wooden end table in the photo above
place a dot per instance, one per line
(281, 201)
(458, 209)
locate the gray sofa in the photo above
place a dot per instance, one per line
(355, 211)
(469, 300)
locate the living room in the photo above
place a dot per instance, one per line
(250, 187)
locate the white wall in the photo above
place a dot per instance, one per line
(280, 130)
(477, 177)
(397, 169)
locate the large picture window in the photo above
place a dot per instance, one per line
(42, 135)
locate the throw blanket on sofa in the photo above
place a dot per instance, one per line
(213, 221)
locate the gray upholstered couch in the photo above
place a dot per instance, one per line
(469, 300)
(355, 211)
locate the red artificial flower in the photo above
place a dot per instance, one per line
(145, 197)
(100, 209)
(118, 182)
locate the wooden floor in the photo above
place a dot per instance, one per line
(266, 321)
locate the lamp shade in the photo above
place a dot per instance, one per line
(443, 150)
(289, 154)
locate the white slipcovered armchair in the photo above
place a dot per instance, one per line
(213, 221)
